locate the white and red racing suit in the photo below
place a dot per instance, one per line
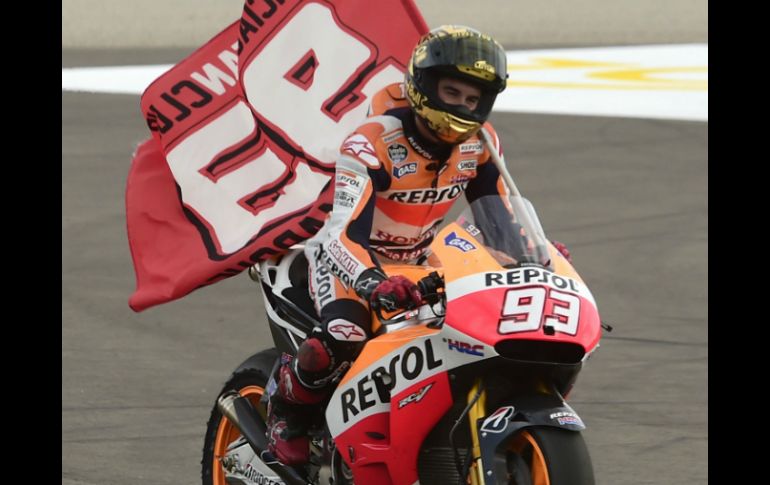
(393, 189)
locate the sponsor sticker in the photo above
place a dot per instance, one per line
(397, 152)
(405, 169)
(566, 418)
(339, 262)
(498, 421)
(256, 476)
(349, 182)
(472, 147)
(392, 136)
(406, 240)
(401, 255)
(341, 255)
(458, 179)
(323, 286)
(465, 347)
(343, 199)
(453, 240)
(467, 165)
(415, 396)
(419, 149)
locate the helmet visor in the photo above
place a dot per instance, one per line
(477, 57)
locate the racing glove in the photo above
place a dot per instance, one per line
(563, 250)
(396, 292)
(390, 293)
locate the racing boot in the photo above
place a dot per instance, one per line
(292, 406)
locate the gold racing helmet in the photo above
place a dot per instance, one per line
(459, 52)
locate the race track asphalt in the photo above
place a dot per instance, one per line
(628, 196)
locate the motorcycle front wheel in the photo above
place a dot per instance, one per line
(548, 456)
(249, 380)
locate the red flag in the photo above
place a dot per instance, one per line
(245, 134)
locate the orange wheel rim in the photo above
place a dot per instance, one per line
(227, 433)
(538, 468)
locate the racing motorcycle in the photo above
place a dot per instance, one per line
(469, 387)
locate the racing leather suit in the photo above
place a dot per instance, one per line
(392, 190)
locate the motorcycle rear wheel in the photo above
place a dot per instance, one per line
(548, 456)
(249, 380)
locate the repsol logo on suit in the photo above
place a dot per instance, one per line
(428, 196)
(368, 392)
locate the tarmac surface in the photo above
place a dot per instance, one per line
(628, 196)
(515, 24)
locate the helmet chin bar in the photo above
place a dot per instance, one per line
(447, 127)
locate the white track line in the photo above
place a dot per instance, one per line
(660, 81)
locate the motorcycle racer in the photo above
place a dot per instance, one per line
(397, 176)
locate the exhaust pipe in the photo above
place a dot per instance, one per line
(239, 411)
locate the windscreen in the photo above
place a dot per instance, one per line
(509, 230)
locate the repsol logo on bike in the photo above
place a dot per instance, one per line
(428, 196)
(530, 275)
(566, 418)
(371, 389)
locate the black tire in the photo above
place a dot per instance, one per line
(565, 459)
(252, 375)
